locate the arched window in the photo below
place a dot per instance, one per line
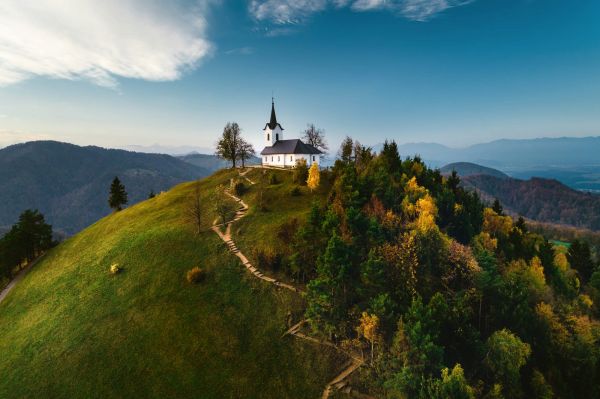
(278, 159)
(291, 158)
(313, 158)
(276, 136)
(268, 137)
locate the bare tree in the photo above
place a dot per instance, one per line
(221, 206)
(245, 151)
(194, 209)
(315, 137)
(228, 145)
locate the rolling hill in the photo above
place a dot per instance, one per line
(469, 169)
(543, 200)
(147, 332)
(69, 183)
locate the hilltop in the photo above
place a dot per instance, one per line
(69, 184)
(147, 332)
(465, 169)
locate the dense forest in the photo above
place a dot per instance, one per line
(443, 297)
(544, 200)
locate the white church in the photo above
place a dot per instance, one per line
(285, 153)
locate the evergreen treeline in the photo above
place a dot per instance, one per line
(25, 241)
(444, 297)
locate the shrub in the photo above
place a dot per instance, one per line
(240, 188)
(115, 268)
(295, 192)
(273, 179)
(196, 275)
(267, 259)
(301, 172)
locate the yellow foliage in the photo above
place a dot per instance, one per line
(314, 177)
(427, 212)
(486, 241)
(368, 327)
(496, 224)
(536, 270)
(561, 262)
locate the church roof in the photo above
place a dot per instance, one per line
(272, 124)
(294, 146)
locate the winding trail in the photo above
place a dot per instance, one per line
(340, 382)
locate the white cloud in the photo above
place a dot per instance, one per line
(100, 40)
(295, 11)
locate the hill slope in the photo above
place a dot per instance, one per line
(69, 184)
(468, 169)
(539, 199)
(146, 332)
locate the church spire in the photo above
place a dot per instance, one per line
(273, 121)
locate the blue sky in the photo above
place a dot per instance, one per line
(140, 72)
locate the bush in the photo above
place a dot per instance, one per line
(115, 268)
(295, 192)
(239, 188)
(267, 259)
(273, 179)
(196, 275)
(301, 172)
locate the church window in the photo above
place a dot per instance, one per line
(276, 136)
(313, 158)
(291, 158)
(271, 159)
(268, 137)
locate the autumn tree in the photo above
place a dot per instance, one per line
(314, 177)
(228, 146)
(369, 329)
(118, 196)
(315, 137)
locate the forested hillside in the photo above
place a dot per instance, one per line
(541, 200)
(69, 184)
(443, 297)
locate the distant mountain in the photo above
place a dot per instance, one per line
(508, 154)
(69, 184)
(539, 199)
(165, 149)
(212, 162)
(465, 169)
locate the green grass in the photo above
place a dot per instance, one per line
(70, 329)
(561, 243)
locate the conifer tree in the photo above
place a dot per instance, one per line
(314, 177)
(118, 195)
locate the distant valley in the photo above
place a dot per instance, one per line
(540, 199)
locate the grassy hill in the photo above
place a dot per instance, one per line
(71, 329)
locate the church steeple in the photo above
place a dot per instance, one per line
(273, 130)
(273, 121)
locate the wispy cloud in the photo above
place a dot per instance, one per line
(240, 51)
(101, 40)
(281, 12)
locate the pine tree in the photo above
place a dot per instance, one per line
(314, 177)
(118, 195)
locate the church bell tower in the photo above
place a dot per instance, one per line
(273, 130)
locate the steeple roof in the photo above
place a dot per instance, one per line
(273, 122)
